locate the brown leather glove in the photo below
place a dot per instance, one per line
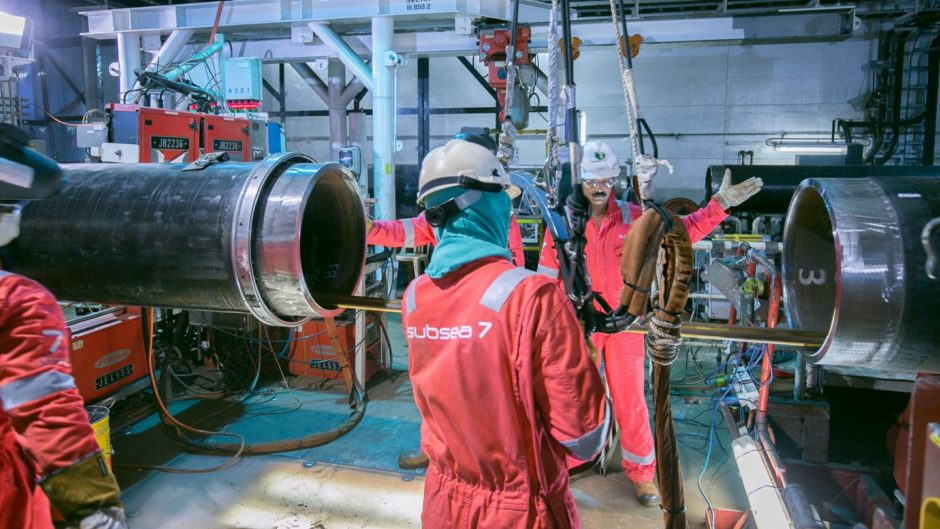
(83, 488)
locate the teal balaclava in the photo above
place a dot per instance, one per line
(481, 230)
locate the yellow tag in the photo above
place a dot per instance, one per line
(78, 344)
(744, 237)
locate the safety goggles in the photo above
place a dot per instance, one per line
(601, 183)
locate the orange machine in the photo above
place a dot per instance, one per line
(107, 351)
(312, 354)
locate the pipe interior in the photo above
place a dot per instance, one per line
(332, 236)
(810, 263)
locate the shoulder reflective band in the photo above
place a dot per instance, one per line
(547, 271)
(499, 290)
(410, 304)
(409, 227)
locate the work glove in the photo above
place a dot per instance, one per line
(729, 196)
(84, 489)
(107, 518)
(507, 138)
(646, 168)
(614, 322)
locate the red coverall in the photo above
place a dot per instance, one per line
(417, 232)
(623, 353)
(43, 424)
(507, 389)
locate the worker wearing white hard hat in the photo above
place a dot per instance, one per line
(501, 374)
(623, 353)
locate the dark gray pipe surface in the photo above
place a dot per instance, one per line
(854, 267)
(226, 238)
(781, 181)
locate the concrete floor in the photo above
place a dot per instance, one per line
(355, 481)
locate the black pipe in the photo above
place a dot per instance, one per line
(237, 237)
(896, 108)
(514, 28)
(571, 112)
(933, 91)
(626, 36)
(424, 108)
(781, 181)
(854, 266)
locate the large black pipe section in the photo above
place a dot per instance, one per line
(261, 238)
(854, 268)
(781, 181)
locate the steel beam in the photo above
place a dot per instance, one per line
(248, 15)
(433, 33)
(703, 331)
(312, 79)
(346, 54)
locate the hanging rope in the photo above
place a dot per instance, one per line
(507, 136)
(654, 232)
(552, 164)
(626, 81)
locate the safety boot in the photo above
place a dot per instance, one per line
(413, 460)
(646, 493)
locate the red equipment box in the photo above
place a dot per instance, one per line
(222, 133)
(107, 353)
(162, 135)
(313, 355)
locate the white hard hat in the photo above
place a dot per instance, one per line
(456, 162)
(598, 161)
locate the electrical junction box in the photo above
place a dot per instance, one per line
(243, 79)
(89, 135)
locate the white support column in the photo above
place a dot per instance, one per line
(383, 116)
(128, 59)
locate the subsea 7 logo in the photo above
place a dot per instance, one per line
(456, 332)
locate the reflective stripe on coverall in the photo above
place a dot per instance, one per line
(413, 232)
(506, 389)
(43, 424)
(623, 353)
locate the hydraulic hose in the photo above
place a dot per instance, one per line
(653, 231)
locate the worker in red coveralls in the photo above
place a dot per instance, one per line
(48, 450)
(417, 231)
(501, 372)
(623, 353)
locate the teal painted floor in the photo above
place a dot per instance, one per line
(355, 481)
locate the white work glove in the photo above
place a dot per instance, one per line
(646, 168)
(729, 195)
(507, 138)
(106, 518)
